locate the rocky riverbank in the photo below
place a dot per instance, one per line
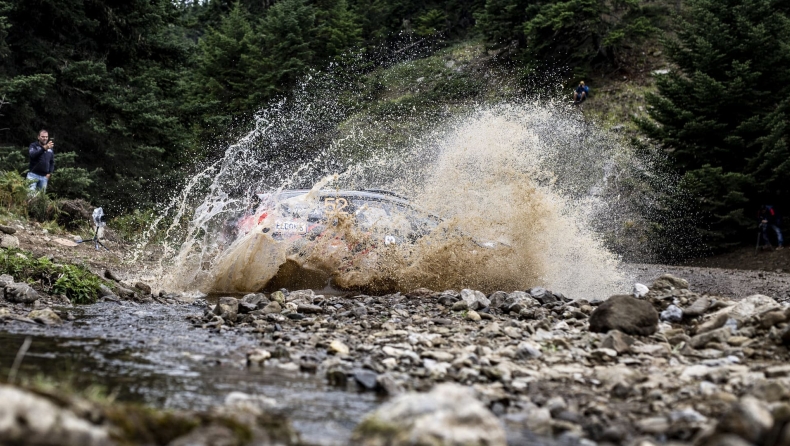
(666, 364)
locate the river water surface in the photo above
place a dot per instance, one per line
(151, 354)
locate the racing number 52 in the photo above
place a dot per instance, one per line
(335, 205)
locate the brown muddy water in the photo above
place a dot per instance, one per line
(151, 354)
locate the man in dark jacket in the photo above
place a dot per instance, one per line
(42, 161)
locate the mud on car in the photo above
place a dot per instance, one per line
(300, 237)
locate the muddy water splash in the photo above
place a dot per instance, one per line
(533, 180)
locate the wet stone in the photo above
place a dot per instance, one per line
(104, 290)
(474, 299)
(719, 335)
(448, 415)
(45, 316)
(498, 299)
(227, 308)
(360, 312)
(144, 287)
(339, 348)
(460, 306)
(309, 309)
(617, 341)
(366, 378)
(447, 300)
(712, 324)
(626, 314)
(258, 300)
(777, 371)
(750, 419)
(672, 314)
(272, 308)
(246, 307)
(20, 293)
(698, 308)
(278, 297)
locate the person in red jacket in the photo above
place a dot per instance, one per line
(769, 218)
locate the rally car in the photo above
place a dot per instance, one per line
(304, 238)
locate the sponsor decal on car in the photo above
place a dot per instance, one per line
(290, 226)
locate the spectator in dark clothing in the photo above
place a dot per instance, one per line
(769, 218)
(581, 93)
(42, 161)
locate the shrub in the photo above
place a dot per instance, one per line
(42, 208)
(13, 192)
(132, 225)
(76, 282)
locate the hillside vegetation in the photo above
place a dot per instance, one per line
(137, 94)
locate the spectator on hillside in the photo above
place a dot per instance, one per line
(42, 161)
(581, 93)
(769, 218)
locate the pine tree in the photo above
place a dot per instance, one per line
(286, 34)
(502, 22)
(100, 78)
(337, 29)
(719, 112)
(224, 83)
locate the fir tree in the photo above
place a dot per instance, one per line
(719, 112)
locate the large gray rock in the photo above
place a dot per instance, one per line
(227, 308)
(26, 418)
(20, 293)
(448, 415)
(475, 300)
(625, 313)
(8, 241)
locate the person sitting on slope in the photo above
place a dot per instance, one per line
(581, 93)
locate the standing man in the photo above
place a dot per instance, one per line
(42, 161)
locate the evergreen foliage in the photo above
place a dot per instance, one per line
(137, 92)
(722, 113)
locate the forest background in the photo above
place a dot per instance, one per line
(139, 92)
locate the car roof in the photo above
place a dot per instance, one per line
(368, 194)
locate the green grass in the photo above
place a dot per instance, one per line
(74, 281)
